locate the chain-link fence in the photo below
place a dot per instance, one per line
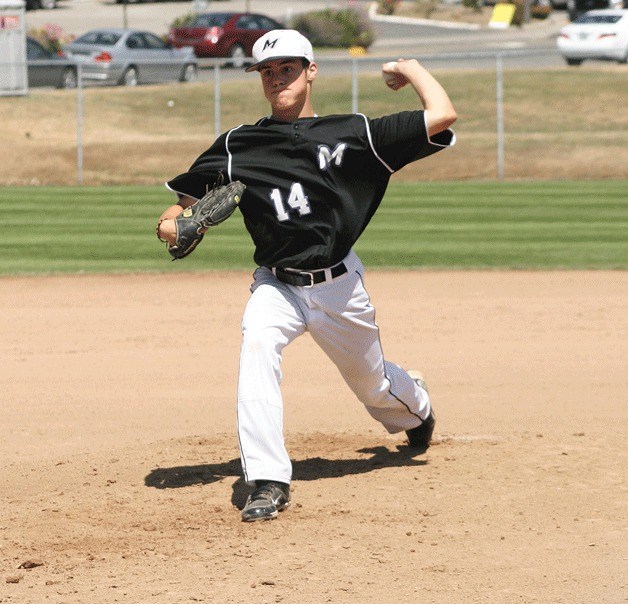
(514, 122)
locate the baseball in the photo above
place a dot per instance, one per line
(389, 77)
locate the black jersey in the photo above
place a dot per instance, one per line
(312, 184)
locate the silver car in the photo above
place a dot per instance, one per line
(130, 57)
(48, 69)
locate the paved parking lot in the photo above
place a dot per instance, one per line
(393, 39)
(78, 16)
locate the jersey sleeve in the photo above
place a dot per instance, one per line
(203, 173)
(401, 138)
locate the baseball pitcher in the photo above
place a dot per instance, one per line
(307, 187)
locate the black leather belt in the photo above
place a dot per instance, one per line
(294, 276)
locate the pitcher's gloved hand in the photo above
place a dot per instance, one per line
(214, 208)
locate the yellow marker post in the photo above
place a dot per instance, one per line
(357, 51)
(502, 15)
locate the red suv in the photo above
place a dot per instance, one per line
(223, 35)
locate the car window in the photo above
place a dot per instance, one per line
(266, 23)
(152, 41)
(597, 18)
(211, 19)
(101, 38)
(35, 52)
(247, 22)
(135, 41)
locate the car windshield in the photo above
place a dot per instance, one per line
(598, 18)
(211, 20)
(101, 38)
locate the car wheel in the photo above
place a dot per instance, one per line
(189, 73)
(574, 61)
(68, 78)
(237, 55)
(129, 77)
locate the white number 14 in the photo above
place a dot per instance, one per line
(297, 200)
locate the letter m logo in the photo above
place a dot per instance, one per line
(269, 44)
(326, 156)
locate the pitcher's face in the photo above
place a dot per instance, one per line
(286, 83)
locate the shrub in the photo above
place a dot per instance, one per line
(52, 37)
(388, 7)
(426, 8)
(336, 28)
(541, 9)
(474, 4)
(183, 20)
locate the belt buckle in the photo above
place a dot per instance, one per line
(302, 273)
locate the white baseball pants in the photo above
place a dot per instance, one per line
(339, 316)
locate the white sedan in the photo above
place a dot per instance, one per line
(597, 34)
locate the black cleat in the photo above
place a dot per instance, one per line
(266, 501)
(419, 437)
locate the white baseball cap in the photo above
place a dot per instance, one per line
(281, 44)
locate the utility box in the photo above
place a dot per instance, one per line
(13, 69)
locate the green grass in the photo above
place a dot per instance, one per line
(514, 225)
(521, 225)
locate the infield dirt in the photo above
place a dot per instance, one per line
(121, 479)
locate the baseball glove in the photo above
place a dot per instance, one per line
(207, 212)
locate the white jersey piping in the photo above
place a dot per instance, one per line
(230, 157)
(452, 142)
(179, 193)
(368, 134)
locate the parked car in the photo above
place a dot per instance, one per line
(229, 35)
(575, 8)
(130, 57)
(598, 34)
(46, 68)
(35, 4)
